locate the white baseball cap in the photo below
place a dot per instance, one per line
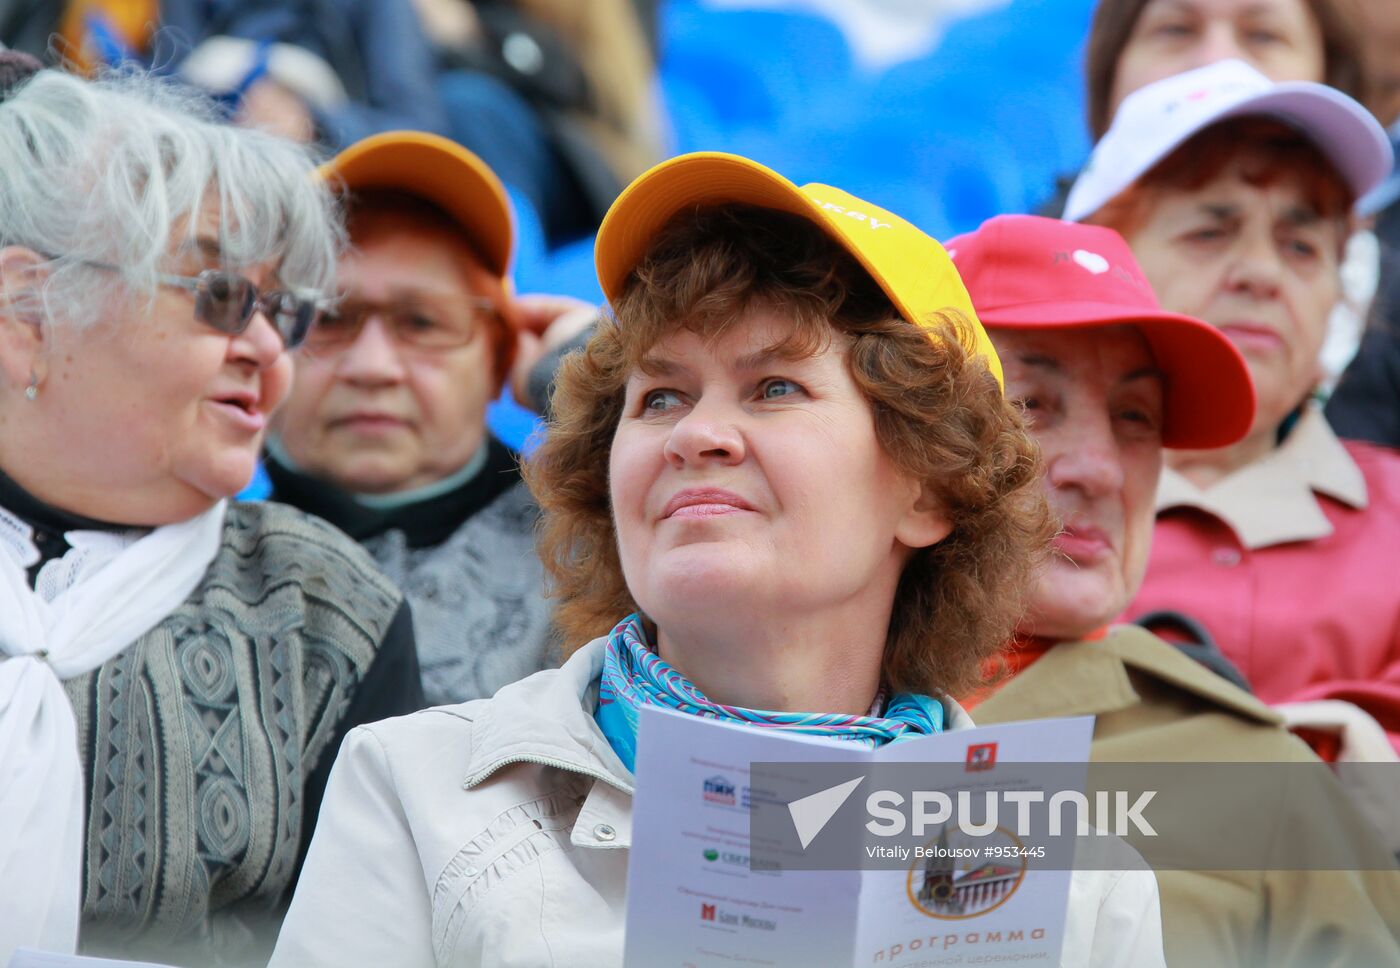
(1154, 121)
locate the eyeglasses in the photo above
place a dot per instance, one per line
(418, 327)
(227, 301)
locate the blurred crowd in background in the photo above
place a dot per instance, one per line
(956, 110)
(951, 110)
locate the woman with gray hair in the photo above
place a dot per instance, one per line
(176, 670)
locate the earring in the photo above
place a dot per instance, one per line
(31, 392)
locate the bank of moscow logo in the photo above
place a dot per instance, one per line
(954, 882)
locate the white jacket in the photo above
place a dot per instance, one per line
(495, 832)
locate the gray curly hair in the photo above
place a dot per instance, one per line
(119, 169)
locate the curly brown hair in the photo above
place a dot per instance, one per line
(939, 414)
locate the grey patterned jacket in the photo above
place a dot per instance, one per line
(479, 612)
(207, 743)
(466, 560)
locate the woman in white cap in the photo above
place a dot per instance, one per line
(781, 487)
(176, 671)
(1236, 195)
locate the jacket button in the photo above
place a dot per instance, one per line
(604, 832)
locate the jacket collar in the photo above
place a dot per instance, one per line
(1092, 678)
(547, 718)
(1272, 501)
(426, 520)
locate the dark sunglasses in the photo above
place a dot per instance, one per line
(227, 301)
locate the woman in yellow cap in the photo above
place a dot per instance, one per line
(782, 487)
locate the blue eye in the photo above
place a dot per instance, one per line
(661, 401)
(772, 389)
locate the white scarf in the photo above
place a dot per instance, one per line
(114, 593)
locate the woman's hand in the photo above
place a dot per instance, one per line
(546, 322)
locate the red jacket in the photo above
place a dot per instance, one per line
(1293, 565)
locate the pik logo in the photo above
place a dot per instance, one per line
(981, 756)
(718, 789)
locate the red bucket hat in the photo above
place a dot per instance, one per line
(1026, 272)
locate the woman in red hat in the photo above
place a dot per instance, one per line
(1107, 377)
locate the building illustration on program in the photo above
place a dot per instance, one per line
(949, 892)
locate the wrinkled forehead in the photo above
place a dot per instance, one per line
(1100, 356)
(413, 253)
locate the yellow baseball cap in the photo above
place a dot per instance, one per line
(442, 173)
(907, 264)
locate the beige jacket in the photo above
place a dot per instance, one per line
(1155, 705)
(495, 832)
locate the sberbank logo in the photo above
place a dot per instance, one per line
(731, 857)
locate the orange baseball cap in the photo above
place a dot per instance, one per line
(442, 173)
(908, 265)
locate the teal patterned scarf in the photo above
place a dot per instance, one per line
(635, 676)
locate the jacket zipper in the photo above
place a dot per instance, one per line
(607, 778)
